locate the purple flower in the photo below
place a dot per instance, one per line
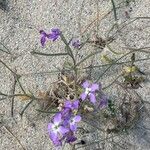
(64, 124)
(73, 121)
(56, 130)
(69, 108)
(89, 91)
(54, 35)
(76, 43)
(44, 36)
(103, 101)
(72, 105)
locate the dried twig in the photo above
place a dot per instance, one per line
(10, 132)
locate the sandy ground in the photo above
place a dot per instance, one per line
(19, 32)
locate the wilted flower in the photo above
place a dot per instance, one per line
(90, 90)
(76, 43)
(103, 101)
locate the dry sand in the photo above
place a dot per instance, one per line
(19, 32)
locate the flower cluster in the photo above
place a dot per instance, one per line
(90, 93)
(64, 124)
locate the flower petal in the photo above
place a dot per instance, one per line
(52, 36)
(57, 118)
(55, 33)
(94, 87)
(55, 30)
(65, 111)
(86, 84)
(43, 40)
(53, 136)
(92, 98)
(83, 96)
(76, 43)
(49, 127)
(57, 142)
(75, 104)
(71, 138)
(73, 127)
(103, 101)
(68, 104)
(63, 130)
(77, 118)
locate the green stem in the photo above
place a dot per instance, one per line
(138, 49)
(44, 54)
(132, 51)
(4, 51)
(8, 52)
(8, 68)
(119, 63)
(101, 75)
(114, 10)
(20, 85)
(126, 23)
(69, 50)
(19, 95)
(70, 53)
(3, 94)
(87, 57)
(104, 88)
(22, 112)
(80, 69)
(109, 47)
(47, 112)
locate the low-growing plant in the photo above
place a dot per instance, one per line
(76, 97)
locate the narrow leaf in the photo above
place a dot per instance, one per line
(114, 10)
(87, 57)
(22, 112)
(49, 112)
(44, 54)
